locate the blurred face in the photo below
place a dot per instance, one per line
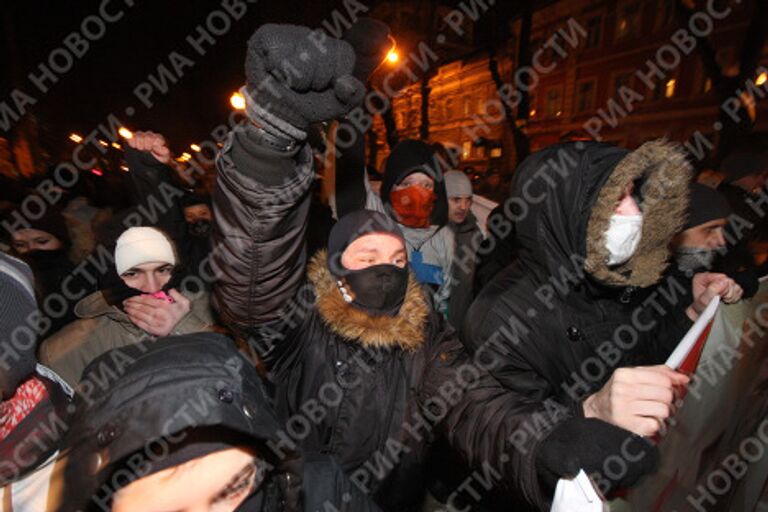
(458, 209)
(197, 212)
(148, 277)
(627, 204)
(374, 249)
(709, 235)
(416, 179)
(25, 240)
(218, 482)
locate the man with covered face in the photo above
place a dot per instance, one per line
(359, 357)
(579, 322)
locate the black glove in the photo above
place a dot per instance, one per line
(586, 443)
(371, 42)
(296, 78)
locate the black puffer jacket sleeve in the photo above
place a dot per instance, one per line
(498, 430)
(261, 202)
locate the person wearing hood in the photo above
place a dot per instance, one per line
(33, 400)
(350, 340)
(181, 424)
(469, 237)
(577, 322)
(142, 297)
(44, 244)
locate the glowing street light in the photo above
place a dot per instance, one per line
(116, 145)
(75, 138)
(195, 148)
(237, 100)
(392, 56)
(103, 143)
(125, 133)
(761, 78)
(186, 156)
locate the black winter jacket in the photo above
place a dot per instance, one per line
(370, 392)
(558, 320)
(138, 404)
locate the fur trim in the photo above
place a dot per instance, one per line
(664, 204)
(406, 330)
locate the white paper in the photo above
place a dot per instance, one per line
(577, 495)
(689, 340)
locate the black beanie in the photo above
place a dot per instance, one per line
(351, 227)
(17, 338)
(52, 221)
(706, 204)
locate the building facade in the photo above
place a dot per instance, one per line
(622, 72)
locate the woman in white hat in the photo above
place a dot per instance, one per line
(139, 302)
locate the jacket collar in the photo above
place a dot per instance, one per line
(406, 330)
(95, 305)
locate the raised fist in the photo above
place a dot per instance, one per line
(299, 76)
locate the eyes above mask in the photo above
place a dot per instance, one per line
(623, 237)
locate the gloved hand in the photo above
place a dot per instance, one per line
(371, 42)
(586, 443)
(296, 79)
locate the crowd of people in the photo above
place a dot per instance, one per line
(266, 347)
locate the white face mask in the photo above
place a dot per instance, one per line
(623, 237)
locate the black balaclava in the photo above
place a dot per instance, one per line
(17, 337)
(379, 289)
(200, 228)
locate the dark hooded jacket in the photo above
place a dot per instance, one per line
(350, 386)
(147, 408)
(558, 320)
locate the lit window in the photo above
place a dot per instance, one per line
(495, 152)
(628, 23)
(466, 150)
(669, 88)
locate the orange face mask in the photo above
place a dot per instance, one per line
(413, 205)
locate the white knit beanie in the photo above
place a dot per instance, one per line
(140, 245)
(457, 184)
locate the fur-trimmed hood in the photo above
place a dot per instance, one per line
(406, 330)
(564, 196)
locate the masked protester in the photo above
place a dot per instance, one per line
(182, 424)
(139, 300)
(351, 331)
(592, 246)
(697, 247)
(33, 400)
(44, 245)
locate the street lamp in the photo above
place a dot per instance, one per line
(125, 133)
(75, 138)
(392, 56)
(237, 100)
(761, 78)
(195, 147)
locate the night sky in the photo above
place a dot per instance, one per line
(103, 81)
